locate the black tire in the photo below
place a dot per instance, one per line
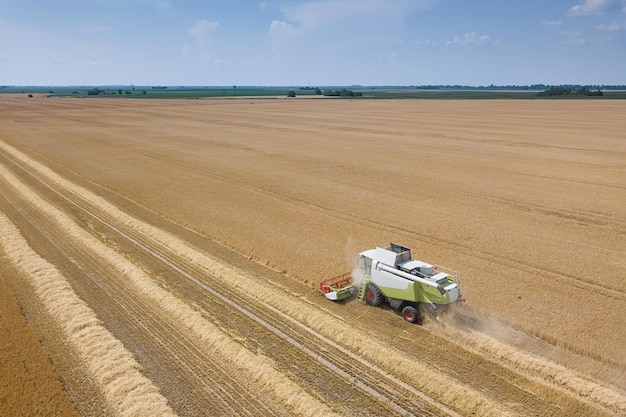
(373, 296)
(410, 314)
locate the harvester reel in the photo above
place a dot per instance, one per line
(373, 296)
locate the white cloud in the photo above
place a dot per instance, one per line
(593, 7)
(203, 29)
(203, 34)
(328, 26)
(279, 28)
(283, 36)
(555, 22)
(470, 38)
(611, 27)
(425, 43)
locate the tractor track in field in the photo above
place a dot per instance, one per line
(618, 225)
(274, 321)
(578, 282)
(163, 345)
(392, 397)
(265, 327)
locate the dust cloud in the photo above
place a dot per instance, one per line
(351, 252)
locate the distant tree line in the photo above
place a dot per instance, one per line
(96, 92)
(481, 87)
(317, 90)
(342, 93)
(568, 91)
(510, 87)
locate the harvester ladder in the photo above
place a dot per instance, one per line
(362, 287)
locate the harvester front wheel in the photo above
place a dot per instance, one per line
(410, 314)
(373, 296)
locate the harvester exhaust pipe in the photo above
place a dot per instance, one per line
(381, 266)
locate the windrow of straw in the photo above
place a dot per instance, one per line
(127, 391)
(431, 382)
(540, 369)
(259, 369)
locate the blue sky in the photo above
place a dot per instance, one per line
(312, 42)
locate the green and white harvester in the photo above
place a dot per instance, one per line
(390, 275)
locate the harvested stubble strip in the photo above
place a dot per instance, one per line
(433, 383)
(126, 390)
(259, 369)
(540, 370)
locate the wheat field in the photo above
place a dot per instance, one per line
(525, 198)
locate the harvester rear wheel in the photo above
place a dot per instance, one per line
(410, 314)
(373, 296)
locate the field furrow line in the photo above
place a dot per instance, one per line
(258, 369)
(565, 380)
(321, 349)
(370, 381)
(603, 290)
(196, 371)
(576, 282)
(127, 391)
(579, 282)
(167, 343)
(617, 224)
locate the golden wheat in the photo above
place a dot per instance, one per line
(524, 197)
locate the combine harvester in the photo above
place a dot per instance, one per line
(390, 275)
